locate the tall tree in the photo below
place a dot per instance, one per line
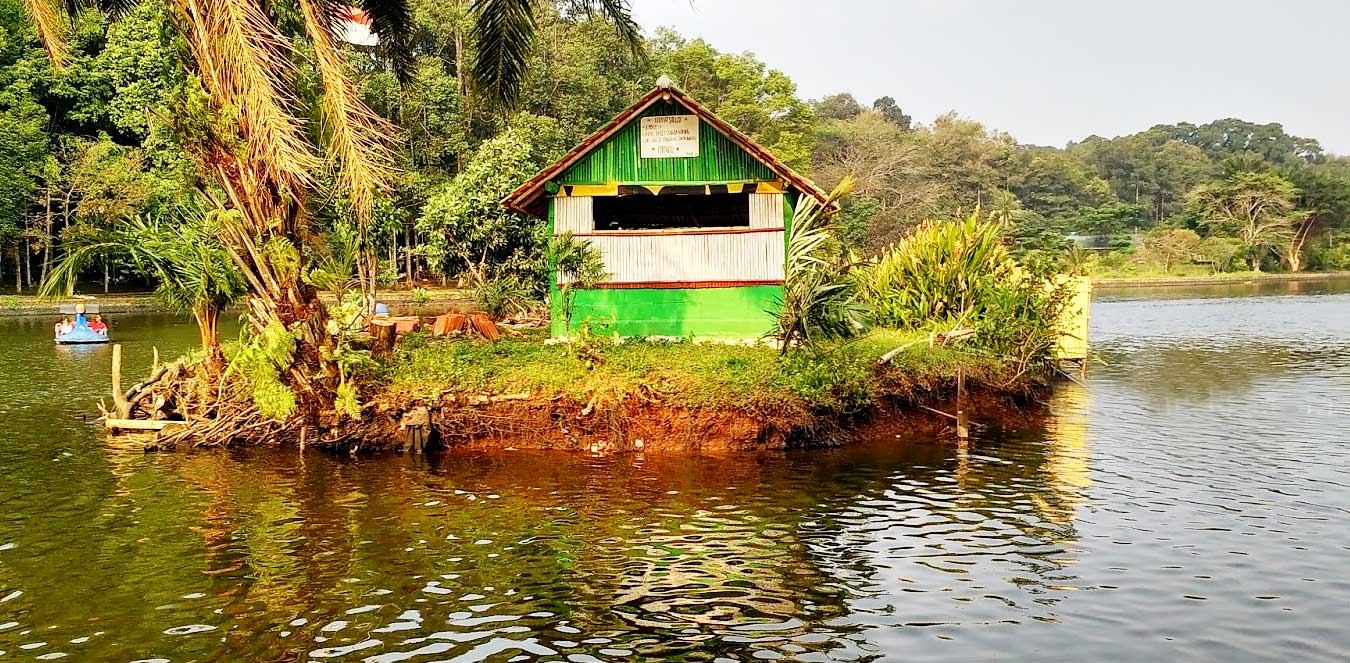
(840, 106)
(759, 101)
(240, 115)
(1258, 208)
(891, 111)
(893, 190)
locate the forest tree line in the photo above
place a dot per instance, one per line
(93, 146)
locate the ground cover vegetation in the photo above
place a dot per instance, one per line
(229, 152)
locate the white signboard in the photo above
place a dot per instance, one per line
(664, 136)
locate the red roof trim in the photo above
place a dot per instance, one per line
(524, 198)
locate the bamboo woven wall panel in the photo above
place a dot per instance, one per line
(737, 257)
(766, 210)
(617, 159)
(574, 215)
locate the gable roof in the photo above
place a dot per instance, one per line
(528, 198)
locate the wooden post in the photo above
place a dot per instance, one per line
(382, 335)
(415, 425)
(962, 425)
(119, 398)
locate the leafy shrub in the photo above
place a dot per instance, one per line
(261, 360)
(952, 274)
(1170, 246)
(1222, 253)
(936, 274)
(502, 296)
(420, 296)
(1013, 315)
(580, 265)
(834, 379)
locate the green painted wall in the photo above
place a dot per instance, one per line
(738, 312)
(618, 159)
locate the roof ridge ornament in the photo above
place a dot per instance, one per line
(665, 82)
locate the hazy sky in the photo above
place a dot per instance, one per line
(1051, 71)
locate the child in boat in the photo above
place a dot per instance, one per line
(98, 326)
(64, 327)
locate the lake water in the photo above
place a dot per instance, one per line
(1190, 502)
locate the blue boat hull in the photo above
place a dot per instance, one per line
(81, 336)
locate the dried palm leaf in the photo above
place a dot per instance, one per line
(49, 19)
(358, 138)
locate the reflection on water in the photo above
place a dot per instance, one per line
(1189, 503)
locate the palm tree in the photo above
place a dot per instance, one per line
(504, 36)
(819, 297)
(241, 117)
(194, 272)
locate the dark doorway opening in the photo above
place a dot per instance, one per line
(719, 210)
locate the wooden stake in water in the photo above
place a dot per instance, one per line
(962, 425)
(119, 398)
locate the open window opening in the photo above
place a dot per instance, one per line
(677, 212)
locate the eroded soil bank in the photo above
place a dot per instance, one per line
(654, 427)
(603, 396)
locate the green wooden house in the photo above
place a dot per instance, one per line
(690, 215)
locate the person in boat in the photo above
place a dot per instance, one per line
(98, 326)
(65, 326)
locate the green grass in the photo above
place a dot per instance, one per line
(839, 378)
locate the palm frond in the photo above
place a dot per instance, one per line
(113, 8)
(246, 62)
(504, 31)
(392, 21)
(358, 138)
(190, 267)
(819, 298)
(619, 13)
(50, 21)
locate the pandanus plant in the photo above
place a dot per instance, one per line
(193, 271)
(819, 297)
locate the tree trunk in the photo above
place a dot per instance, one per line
(407, 253)
(208, 318)
(107, 277)
(47, 231)
(18, 271)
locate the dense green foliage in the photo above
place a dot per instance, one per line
(92, 147)
(936, 274)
